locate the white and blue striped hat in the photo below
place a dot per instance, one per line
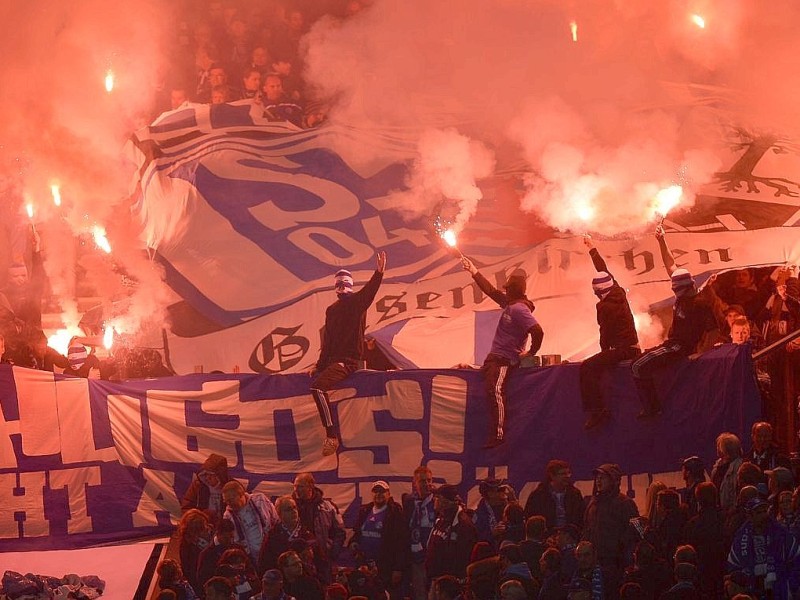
(77, 355)
(602, 283)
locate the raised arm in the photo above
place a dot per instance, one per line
(597, 260)
(483, 283)
(367, 294)
(666, 253)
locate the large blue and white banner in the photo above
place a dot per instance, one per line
(252, 218)
(88, 461)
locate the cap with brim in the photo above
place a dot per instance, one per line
(490, 484)
(610, 469)
(448, 492)
(380, 484)
(737, 308)
(693, 463)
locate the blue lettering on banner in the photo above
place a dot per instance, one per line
(112, 461)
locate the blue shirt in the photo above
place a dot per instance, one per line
(512, 331)
(372, 533)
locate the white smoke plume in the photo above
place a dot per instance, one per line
(447, 169)
(634, 106)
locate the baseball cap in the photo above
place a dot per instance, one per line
(380, 484)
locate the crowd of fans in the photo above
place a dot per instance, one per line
(732, 534)
(760, 306)
(229, 51)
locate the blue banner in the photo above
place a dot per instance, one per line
(88, 461)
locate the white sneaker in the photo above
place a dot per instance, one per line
(329, 446)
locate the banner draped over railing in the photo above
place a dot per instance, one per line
(89, 461)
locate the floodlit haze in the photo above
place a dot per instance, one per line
(594, 105)
(64, 125)
(634, 106)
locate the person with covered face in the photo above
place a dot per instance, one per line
(342, 343)
(508, 346)
(618, 338)
(691, 318)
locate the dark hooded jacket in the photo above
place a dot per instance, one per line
(321, 516)
(198, 494)
(606, 523)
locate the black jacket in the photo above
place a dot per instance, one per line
(691, 318)
(450, 545)
(541, 502)
(606, 522)
(345, 321)
(614, 315)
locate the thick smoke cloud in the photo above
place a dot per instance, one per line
(62, 127)
(638, 103)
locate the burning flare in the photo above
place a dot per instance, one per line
(573, 27)
(585, 210)
(667, 199)
(108, 337)
(109, 81)
(55, 190)
(699, 21)
(100, 239)
(59, 341)
(29, 209)
(449, 236)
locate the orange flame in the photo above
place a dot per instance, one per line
(699, 21)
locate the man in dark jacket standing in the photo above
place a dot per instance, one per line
(320, 516)
(381, 535)
(342, 343)
(516, 324)
(452, 538)
(607, 520)
(556, 499)
(618, 339)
